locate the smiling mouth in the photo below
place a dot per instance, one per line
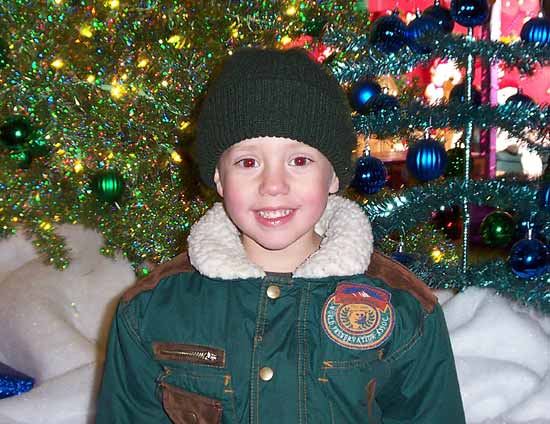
(274, 217)
(274, 214)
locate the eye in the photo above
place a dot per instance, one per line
(300, 161)
(247, 163)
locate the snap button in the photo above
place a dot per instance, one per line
(266, 373)
(273, 292)
(190, 417)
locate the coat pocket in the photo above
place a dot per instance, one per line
(189, 408)
(350, 387)
(195, 386)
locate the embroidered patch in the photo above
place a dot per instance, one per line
(358, 316)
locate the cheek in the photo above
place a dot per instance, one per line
(235, 198)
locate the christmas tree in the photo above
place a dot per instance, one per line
(100, 97)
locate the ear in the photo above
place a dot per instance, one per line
(334, 184)
(217, 181)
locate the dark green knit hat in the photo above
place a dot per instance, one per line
(277, 93)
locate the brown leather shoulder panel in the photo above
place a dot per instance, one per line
(179, 264)
(396, 275)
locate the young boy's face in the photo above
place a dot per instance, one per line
(275, 190)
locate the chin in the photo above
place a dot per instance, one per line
(273, 243)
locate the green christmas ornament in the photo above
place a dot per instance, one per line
(108, 186)
(497, 229)
(15, 131)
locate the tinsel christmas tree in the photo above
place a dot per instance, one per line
(99, 100)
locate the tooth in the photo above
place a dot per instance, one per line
(274, 214)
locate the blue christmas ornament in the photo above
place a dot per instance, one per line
(384, 102)
(388, 33)
(469, 13)
(536, 30)
(362, 93)
(529, 258)
(13, 382)
(543, 197)
(370, 174)
(421, 33)
(442, 15)
(403, 257)
(458, 94)
(427, 159)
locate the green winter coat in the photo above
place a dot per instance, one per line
(221, 341)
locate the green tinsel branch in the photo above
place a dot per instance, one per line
(391, 211)
(494, 275)
(359, 59)
(529, 124)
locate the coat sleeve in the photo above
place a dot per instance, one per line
(127, 393)
(423, 387)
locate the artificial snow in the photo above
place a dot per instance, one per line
(55, 324)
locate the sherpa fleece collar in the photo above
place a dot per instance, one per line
(216, 251)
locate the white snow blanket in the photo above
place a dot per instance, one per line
(54, 327)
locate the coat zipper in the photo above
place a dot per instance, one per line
(199, 354)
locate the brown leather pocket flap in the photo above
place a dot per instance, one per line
(180, 352)
(190, 408)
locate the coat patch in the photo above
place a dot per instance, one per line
(358, 316)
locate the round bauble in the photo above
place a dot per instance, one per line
(16, 131)
(469, 13)
(108, 186)
(370, 175)
(536, 30)
(497, 229)
(528, 258)
(442, 16)
(388, 33)
(362, 93)
(421, 33)
(426, 160)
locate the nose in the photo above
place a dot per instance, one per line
(274, 181)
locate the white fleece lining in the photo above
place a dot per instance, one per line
(216, 251)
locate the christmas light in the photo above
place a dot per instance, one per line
(285, 39)
(58, 64)
(86, 31)
(290, 11)
(176, 157)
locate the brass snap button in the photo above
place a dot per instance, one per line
(266, 373)
(273, 292)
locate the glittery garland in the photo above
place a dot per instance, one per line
(402, 211)
(112, 86)
(529, 124)
(359, 59)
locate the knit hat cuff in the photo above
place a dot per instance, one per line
(302, 113)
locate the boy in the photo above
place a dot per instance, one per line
(279, 312)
